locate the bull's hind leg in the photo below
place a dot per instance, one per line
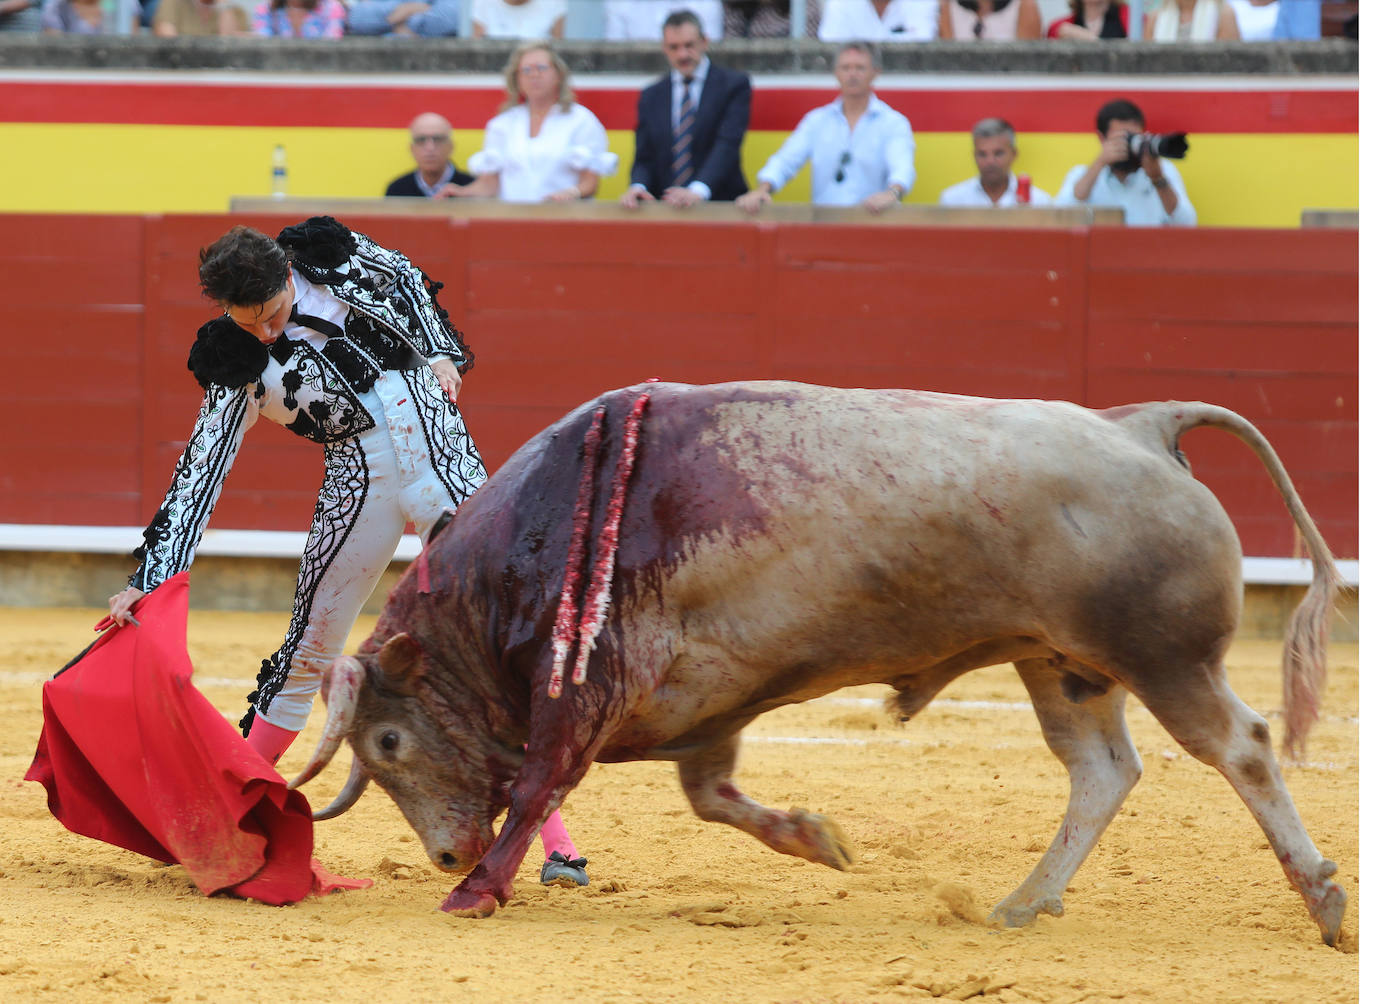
(1088, 734)
(1209, 721)
(706, 780)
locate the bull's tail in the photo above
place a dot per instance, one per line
(1304, 644)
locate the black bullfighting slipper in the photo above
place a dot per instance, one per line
(560, 870)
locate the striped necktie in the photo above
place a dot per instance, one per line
(682, 137)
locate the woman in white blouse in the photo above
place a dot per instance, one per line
(543, 146)
(1192, 21)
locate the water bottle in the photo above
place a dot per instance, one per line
(279, 172)
(109, 17)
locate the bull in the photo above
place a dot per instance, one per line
(779, 541)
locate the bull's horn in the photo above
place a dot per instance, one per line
(352, 791)
(344, 681)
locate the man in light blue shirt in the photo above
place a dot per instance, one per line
(1298, 19)
(1147, 188)
(861, 150)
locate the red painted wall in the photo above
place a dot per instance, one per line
(101, 311)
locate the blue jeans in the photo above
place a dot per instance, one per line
(368, 17)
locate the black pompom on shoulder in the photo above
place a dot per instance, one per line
(321, 241)
(225, 354)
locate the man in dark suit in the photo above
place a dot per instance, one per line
(431, 144)
(691, 125)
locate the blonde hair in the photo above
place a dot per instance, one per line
(512, 75)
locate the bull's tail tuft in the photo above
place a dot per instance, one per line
(1304, 647)
(1304, 657)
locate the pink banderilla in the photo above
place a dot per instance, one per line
(599, 592)
(594, 616)
(563, 626)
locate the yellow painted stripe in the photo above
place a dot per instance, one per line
(1255, 180)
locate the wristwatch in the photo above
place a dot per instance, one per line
(1160, 182)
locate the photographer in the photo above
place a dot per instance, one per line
(1131, 172)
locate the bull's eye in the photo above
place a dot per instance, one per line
(389, 741)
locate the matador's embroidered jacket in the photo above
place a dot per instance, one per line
(393, 322)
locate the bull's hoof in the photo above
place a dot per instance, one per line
(1011, 914)
(821, 840)
(1328, 914)
(465, 903)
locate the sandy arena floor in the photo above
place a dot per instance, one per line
(1181, 901)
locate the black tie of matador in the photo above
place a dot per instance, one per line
(327, 328)
(682, 137)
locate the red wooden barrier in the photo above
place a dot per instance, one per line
(101, 311)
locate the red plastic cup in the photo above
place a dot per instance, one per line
(1023, 188)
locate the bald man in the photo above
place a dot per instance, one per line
(431, 146)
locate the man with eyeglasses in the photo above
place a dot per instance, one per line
(862, 151)
(431, 145)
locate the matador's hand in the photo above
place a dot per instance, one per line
(121, 607)
(448, 376)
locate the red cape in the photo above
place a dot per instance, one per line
(132, 754)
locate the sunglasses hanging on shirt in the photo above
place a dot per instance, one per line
(839, 171)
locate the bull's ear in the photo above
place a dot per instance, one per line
(400, 661)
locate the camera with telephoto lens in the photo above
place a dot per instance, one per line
(1168, 144)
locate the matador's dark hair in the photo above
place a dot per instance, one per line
(243, 268)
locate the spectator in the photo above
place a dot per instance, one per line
(767, 18)
(642, 20)
(989, 20)
(994, 153)
(1090, 20)
(1192, 21)
(879, 20)
(1150, 190)
(73, 17)
(199, 18)
(542, 146)
(519, 19)
(1298, 19)
(299, 18)
(431, 146)
(691, 124)
(21, 16)
(861, 150)
(1255, 19)
(427, 18)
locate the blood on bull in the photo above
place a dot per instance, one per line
(774, 542)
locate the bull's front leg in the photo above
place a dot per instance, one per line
(565, 736)
(534, 797)
(706, 780)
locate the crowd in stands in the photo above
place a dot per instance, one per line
(543, 146)
(828, 20)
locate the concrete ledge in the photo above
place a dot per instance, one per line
(122, 540)
(771, 56)
(64, 566)
(912, 215)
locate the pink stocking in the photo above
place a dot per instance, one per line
(268, 740)
(555, 837)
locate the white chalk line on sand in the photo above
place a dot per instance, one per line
(948, 704)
